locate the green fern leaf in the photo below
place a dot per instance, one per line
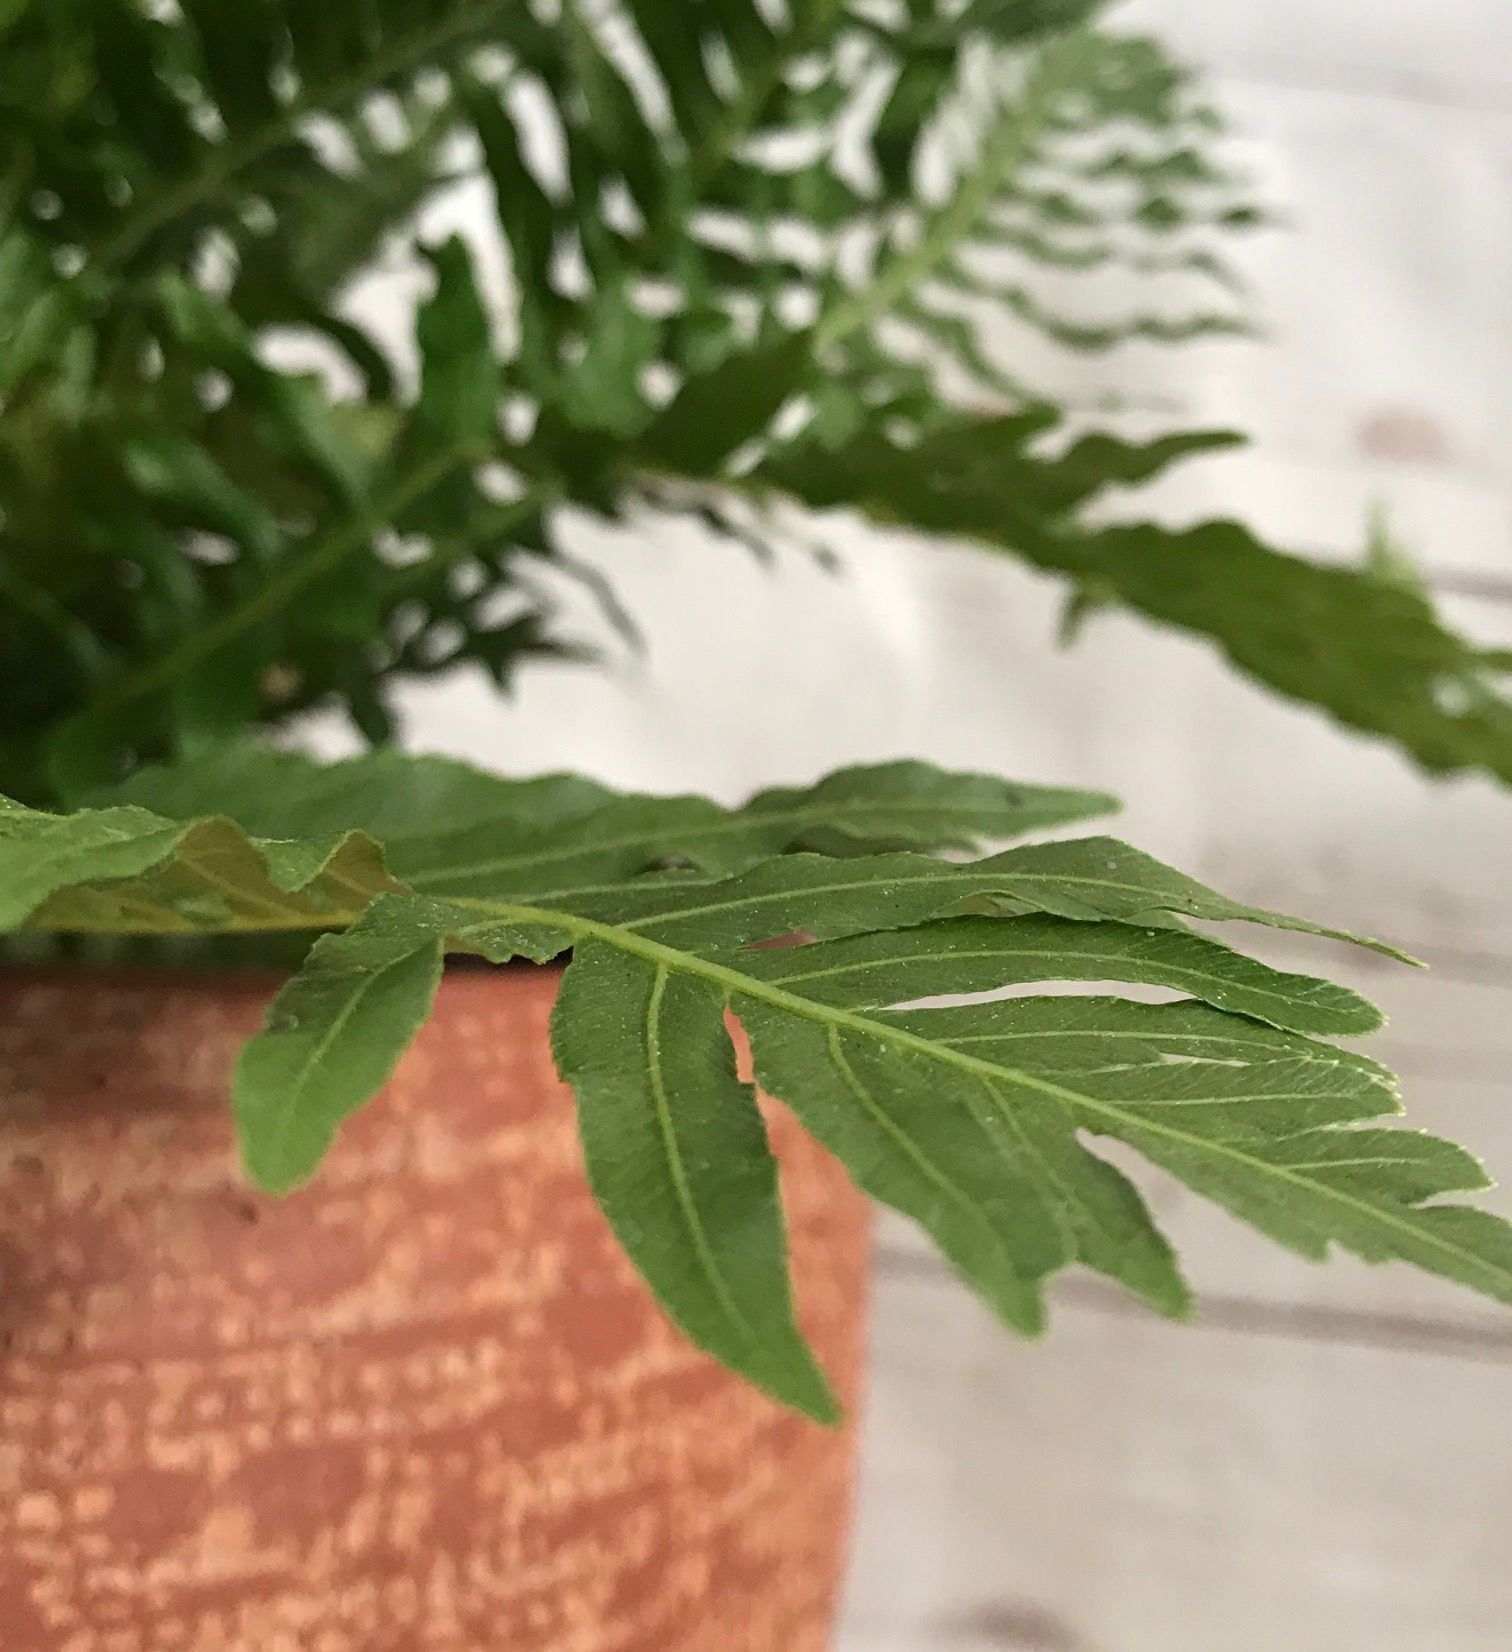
(1370, 651)
(971, 1116)
(678, 1159)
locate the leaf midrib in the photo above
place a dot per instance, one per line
(318, 554)
(1114, 961)
(672, 1152)
(68, 850)
(296, 1089)
(1344, 1060)
(301, 920)
(732, 826)
(941, 231)
(984, 883)
(1002, 882)
(1030, 1320)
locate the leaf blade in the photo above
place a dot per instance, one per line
(330, 1039)
(977, 955)
(678, 1160)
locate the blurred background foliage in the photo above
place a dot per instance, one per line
(743, 254)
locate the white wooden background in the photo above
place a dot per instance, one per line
(1324, 1462)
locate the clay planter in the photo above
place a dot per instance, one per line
(422, 1406)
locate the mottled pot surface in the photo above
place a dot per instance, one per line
(422, 1406)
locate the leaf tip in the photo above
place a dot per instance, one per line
(278, 1181)
(825, 1409)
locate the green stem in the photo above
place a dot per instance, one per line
(1059, 66)
(224, 163)
(324, 556)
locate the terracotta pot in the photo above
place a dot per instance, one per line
(423, 1406)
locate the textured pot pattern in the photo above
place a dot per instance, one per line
(423, 1405)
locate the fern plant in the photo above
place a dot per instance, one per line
(752, 259)
(970, 1119)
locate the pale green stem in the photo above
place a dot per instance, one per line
(323, 556)
(1059, 67)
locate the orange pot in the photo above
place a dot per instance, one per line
(424, 1405)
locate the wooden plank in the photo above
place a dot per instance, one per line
(1132, 1487)
(1383, 299)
